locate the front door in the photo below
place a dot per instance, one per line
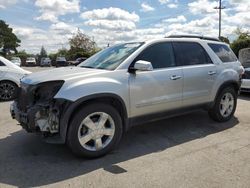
(160, 89)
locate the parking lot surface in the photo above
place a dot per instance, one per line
(186, 151)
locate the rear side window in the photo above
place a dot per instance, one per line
(223, 52)
(2, 64)
(161, 55)
(190, 53)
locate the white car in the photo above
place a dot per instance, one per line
(30, 61)
(16, 61)
(244, 57)
(245, 86)
(10, 75)
(45, 62)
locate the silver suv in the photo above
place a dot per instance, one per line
(90, 106)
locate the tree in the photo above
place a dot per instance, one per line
(8, 40)
(81, 45)
(43, 52)
(242, 41)
(224, 39)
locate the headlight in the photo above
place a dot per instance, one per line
(47, 90)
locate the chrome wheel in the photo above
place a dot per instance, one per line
(7, 90)
(96, 131)
(226, 104)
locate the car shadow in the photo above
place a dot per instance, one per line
(26, 161)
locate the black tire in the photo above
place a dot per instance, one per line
(72, 135)
(11, 93)
(215, 113)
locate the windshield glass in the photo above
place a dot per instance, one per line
(30, 59)
(112, 57)
(60, 59)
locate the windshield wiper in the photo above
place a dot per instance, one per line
(83, 66)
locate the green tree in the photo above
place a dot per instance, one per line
(43, 52)
(81, 45)
(242, 41)
(8, 40)
(224, 39)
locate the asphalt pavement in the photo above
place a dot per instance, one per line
(185, 151)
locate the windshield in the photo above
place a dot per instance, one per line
(61, 59)
(112, 57)
(30, 59)
(15, 59)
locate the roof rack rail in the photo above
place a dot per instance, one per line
(193, 36)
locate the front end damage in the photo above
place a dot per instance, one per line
(36, 109)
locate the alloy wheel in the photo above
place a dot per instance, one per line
(226, 104)
(7, 91)
(96, 131)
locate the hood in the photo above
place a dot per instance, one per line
(64, 73)
(17, 70)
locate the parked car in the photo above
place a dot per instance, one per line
(61, 61)
(77, 61)
(16, 61)
(10, 75)
(45, 62)
(90, 106)
(30, 61)
(244, 57)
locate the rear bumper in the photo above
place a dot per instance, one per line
(245, 85)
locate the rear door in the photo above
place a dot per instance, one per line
(198, 70)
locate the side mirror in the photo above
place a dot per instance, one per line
(142, 66)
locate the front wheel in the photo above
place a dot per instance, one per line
(224, 106)
(95, 130)
(7, 90)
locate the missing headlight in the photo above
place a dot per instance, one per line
(47, 90)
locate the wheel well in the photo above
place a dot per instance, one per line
(232, 84)
(9, 81)
(113, 101)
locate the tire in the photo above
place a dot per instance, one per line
(8, 90)
(92, 148)
(221, 104)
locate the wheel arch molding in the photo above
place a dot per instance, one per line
(232, 83)
(116, 101)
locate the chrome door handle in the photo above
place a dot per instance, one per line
(175, 77)
(211, 72)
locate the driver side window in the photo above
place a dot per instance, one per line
(161, 55)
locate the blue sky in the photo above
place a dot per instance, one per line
(52, 22)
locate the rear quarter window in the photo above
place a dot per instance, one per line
(225, 54)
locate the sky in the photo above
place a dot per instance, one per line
(50, 23)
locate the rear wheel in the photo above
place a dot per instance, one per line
(224, 106)
(7, 90)
(95, 130)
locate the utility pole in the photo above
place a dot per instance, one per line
(220, 8)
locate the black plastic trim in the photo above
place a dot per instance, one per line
(166, 114)
(66, 116)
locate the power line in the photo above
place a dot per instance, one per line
(220, 8)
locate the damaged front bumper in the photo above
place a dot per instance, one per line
(38, 118)
(36, 109)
